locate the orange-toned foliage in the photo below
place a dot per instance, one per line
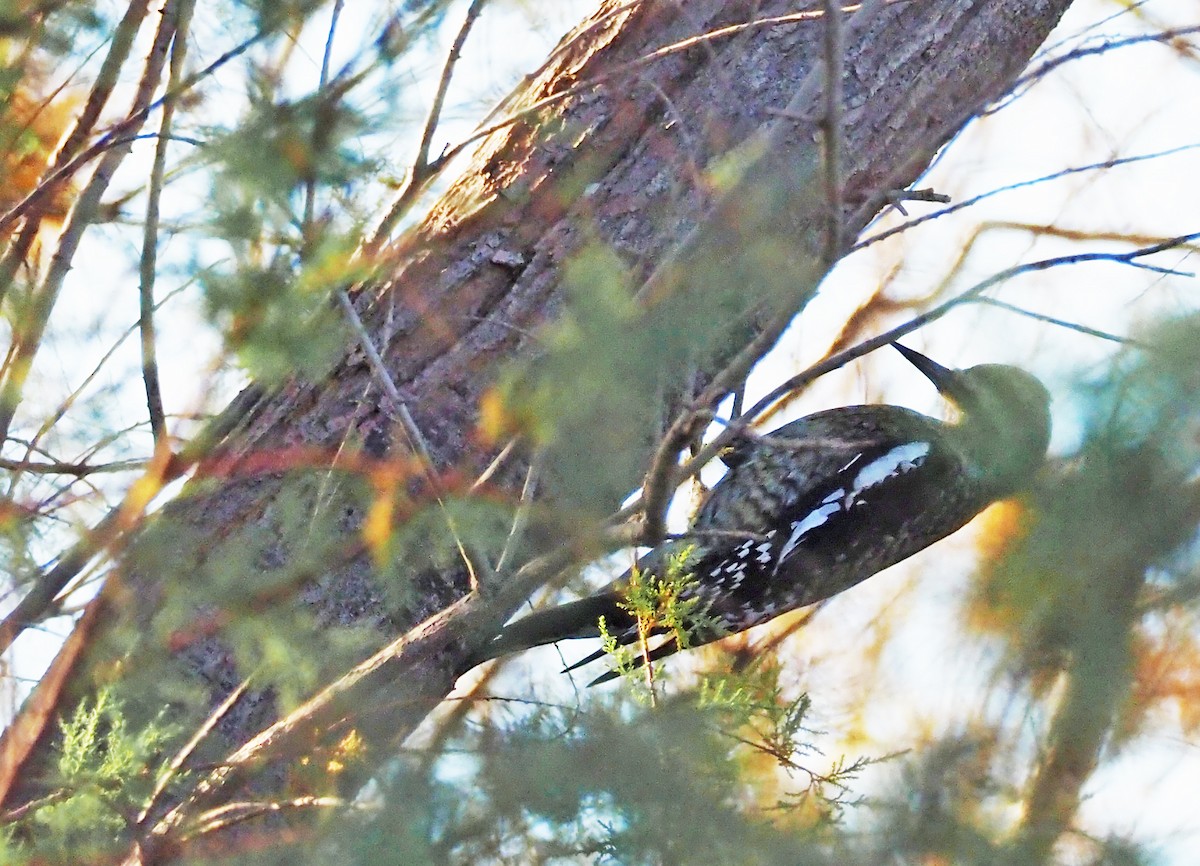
(1000, 528)
(31, 126)
(1166, 674)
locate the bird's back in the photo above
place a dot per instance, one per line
(833, 498)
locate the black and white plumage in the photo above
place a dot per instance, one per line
(823, 503)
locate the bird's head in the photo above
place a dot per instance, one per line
(1005, 415)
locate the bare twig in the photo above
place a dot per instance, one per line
(1062, 323)
(439, 99)
(416, 439)
(965, 203)
(310, 183)
(1027, 80)
(232, 814)
(494, 466)
(197, 737)
(38, 712)
(970, 295)
(28, 333)
(896, 198)
(831, 125)
(521, 516)
(422, 169)
(106, 80)
(417, 443)
(149, 258)
(60, 467)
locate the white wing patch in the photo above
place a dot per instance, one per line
(901, 459)
(830, 505)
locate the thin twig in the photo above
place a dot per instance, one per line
(919, 321)
(181, 757)
(690, 168)
(495, 465)
(79, 470)
(965, 203)
(417, 443)
(831, 125)
(422, 169)
(439, 99)
(1029, 78)
(310, 183)
(25, 809)
(416, 439)
(897, 197)
(232, 814)
(28, 334)
(521, 515)
(1062, 323)
(149, 258)
(122, 41)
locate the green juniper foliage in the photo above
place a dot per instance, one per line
(658, 607)
(106, 771)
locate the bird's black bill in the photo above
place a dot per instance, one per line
(943, 378)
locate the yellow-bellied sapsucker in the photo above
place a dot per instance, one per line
(823, 503)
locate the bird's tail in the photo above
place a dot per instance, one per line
(576, 619)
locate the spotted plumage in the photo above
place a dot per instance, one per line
(823, 503)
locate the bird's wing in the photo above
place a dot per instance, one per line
(798, 464)
(837, 510)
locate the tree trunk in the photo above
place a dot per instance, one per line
(617, 145)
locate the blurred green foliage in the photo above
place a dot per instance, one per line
(106, 771)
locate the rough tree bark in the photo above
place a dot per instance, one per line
(611, 152)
